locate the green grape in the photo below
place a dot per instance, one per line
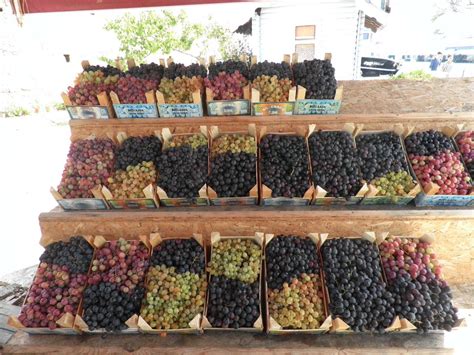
(272, 89)
(234, 143)
(195, 141)
(130, 183)
(394, 184)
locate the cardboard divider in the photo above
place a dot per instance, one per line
(266, 193)
(404, 324)
(428, 194)
(67, 321)
(258, 326)
(195, 324)
(272, 325)
(202, 199)
(320, 194)
(338, 324)
(150, 201)
(252, 198)
(371, 197)
(132, 323)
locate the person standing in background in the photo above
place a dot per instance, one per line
(436, 61)
(447, 66)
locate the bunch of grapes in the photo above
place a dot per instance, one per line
(465, 142)
(271, 88)
(135, 150)
(58, 284)
(129, 183)
(414, 277)
(89, 163)
(394, 184)
(107, 70)
(226, 86)
(177, 70)
(317, 77)
(131, 90)
(229, 67)
(85, 94)
(176, 288)
(280, 70)
(151, 72)
(195, 141)
(180, 90)
(95, 77)
(236, 259)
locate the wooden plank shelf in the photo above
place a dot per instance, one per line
(453, 227)
(102, 128)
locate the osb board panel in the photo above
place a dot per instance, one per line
(235, 343)
(454, 229)
(403, 96)
(102, 128)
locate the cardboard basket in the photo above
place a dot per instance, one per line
(202, 198)
(338, 325)
(305, 106)
(66, 322)
(258, 324)
(81, 326)
(428, 194)
(80, 112)
(371, 197)
(252, 198)
(320, 194)
(195, 323)
(405, 324)
(266, 198)
(272, 325)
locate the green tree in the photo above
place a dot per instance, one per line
(151, 32)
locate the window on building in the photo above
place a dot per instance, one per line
(305, 32)
(305, 51)
(365, 36)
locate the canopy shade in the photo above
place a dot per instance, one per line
(38, 6)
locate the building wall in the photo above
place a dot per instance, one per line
(336, 32)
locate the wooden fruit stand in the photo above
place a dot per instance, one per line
(453, 227)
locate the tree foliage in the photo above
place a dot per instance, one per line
(151, 32)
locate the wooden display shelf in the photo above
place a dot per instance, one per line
(453, 227)
(102, 128)
(237, 343)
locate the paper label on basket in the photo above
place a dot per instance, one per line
(444, 200)
(317, 107)
(82, 204)
(136, 110)
(143, 203)
(180, 110)
(87, 112)
(228, 108)
(273, 108)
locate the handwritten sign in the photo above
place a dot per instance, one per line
(317, 107)
(273, 108)
(180, 110)
(135, 110)
(87, 112)
(228, 108)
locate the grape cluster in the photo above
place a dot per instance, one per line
(229, 67)
(465, 143)
(272, 89)
(432, 156)
(131, 90)
(75, 254)
(177, 70)
(179, 90)
(233, 303)
(233, 165)
(414, 278)
(380, 153)
(284, 165)
(86, 94)
(96, 78)
(135, 150)
(236, 259)
(183, 167)
(357, 293)
(58, 284)
(227, 86)
(89, 163)
(129, 183)
(185, 255)
(195, 141)
(173, 299)
(151, 71)
(280, 70)
(394, 184)
(335, 163)
(107, 307)
(317, 77)
(120, 262)
(428, 143)
(288, 257)
(295, 295)
(107, 70)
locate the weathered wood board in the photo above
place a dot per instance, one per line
(453, 228)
